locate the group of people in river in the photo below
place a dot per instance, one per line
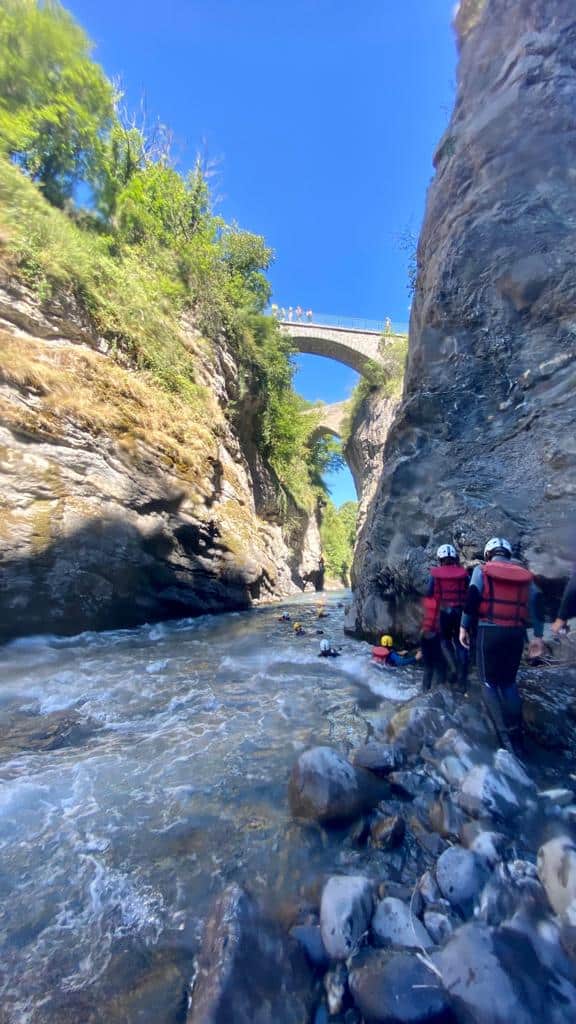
(490, 611)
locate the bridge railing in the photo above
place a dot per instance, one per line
(350, 323)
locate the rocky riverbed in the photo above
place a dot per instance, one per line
(452, 894)
(204, 820)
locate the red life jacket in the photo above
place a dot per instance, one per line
(381, 653)
(431, 606)
(505, 594)
(450, 585)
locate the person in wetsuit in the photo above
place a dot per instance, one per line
(502, 598)
(443, 606)
(385, 656)
(327, 651)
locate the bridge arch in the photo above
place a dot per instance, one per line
(354, 348)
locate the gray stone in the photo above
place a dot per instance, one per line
(489, 847)
(509, 765)
(325, 787)
(445, 818)
(453, 769)
(557, 872)
(246, 970)
(560, 797)
(418, 722)
(398, 989)
(438, 926)
(487, 792)
(460, 876)
(310, 938)
(394, 924)
(412, 784)
(335, 985)
(496, 976)
(386, 833)
(380, 758)
(345, 913)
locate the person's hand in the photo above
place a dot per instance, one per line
(418, 655)
(536, 647)
(465, 638)
(558, 625)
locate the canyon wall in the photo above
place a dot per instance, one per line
(484, 441)
(119, 504)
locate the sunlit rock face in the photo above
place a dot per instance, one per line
(484, 441)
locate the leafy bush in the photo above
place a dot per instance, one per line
(147, 248)
(338, 532)
(385, 378)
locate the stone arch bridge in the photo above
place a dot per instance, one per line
(353, 346)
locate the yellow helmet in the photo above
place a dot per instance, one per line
(386, 640)
(297, 625)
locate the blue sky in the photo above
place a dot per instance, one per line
(322, 117)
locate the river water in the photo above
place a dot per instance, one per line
(172, 783)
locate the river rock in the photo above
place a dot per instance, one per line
(310, 938)
(345, 913)
(246, 970)
(325, 787)
(438, 926)
(418, 722)
(445, 818)
(489, 847)
(380, 758)
(495, 976)
(398, 988)
(335, 985)
(557, 871)
(460, 876)
(452, 743)
(394, 924)
(412, 784)
(387, 832)
(509, 765)
(485, 791)
(505, 892)
(453, 769)
(560, 797)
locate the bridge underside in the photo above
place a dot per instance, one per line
(353, 348)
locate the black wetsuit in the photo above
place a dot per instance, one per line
(567, 608)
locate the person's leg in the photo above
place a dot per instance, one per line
(426, 646)
(499, 651)
(447, 646)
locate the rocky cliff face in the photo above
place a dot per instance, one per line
(364, 448)
(117, 504)
(484, 441)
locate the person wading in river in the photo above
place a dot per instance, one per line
(445, 597)
(502, 598)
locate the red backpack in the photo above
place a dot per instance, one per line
(450, 585)
(505, 594)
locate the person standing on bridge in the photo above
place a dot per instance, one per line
(309, 315)
(290, 313)
(299, 312)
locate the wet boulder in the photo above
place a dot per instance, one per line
(419, 722)
(387, 832)
(506, 892)
(247, 970)
(325, 787)
(495, 976)
(445, 817)
(310, 938)
(345, 913)
(397, 988)
(485, 791)
(394, 924)
(438, 926)
(489, 847)
(509, 765)
(557, 872)
(460, 876)
(380, 758)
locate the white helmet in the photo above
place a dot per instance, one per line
(324, 646)
(497, 544)
(446, 551)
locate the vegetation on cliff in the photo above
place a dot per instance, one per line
(338, 533)
(385, 378)
(91, 205)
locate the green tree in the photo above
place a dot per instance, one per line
(56, 104)
(338, 533)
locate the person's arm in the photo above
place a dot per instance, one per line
(471, 606)
(567, 609)
(430, 587)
